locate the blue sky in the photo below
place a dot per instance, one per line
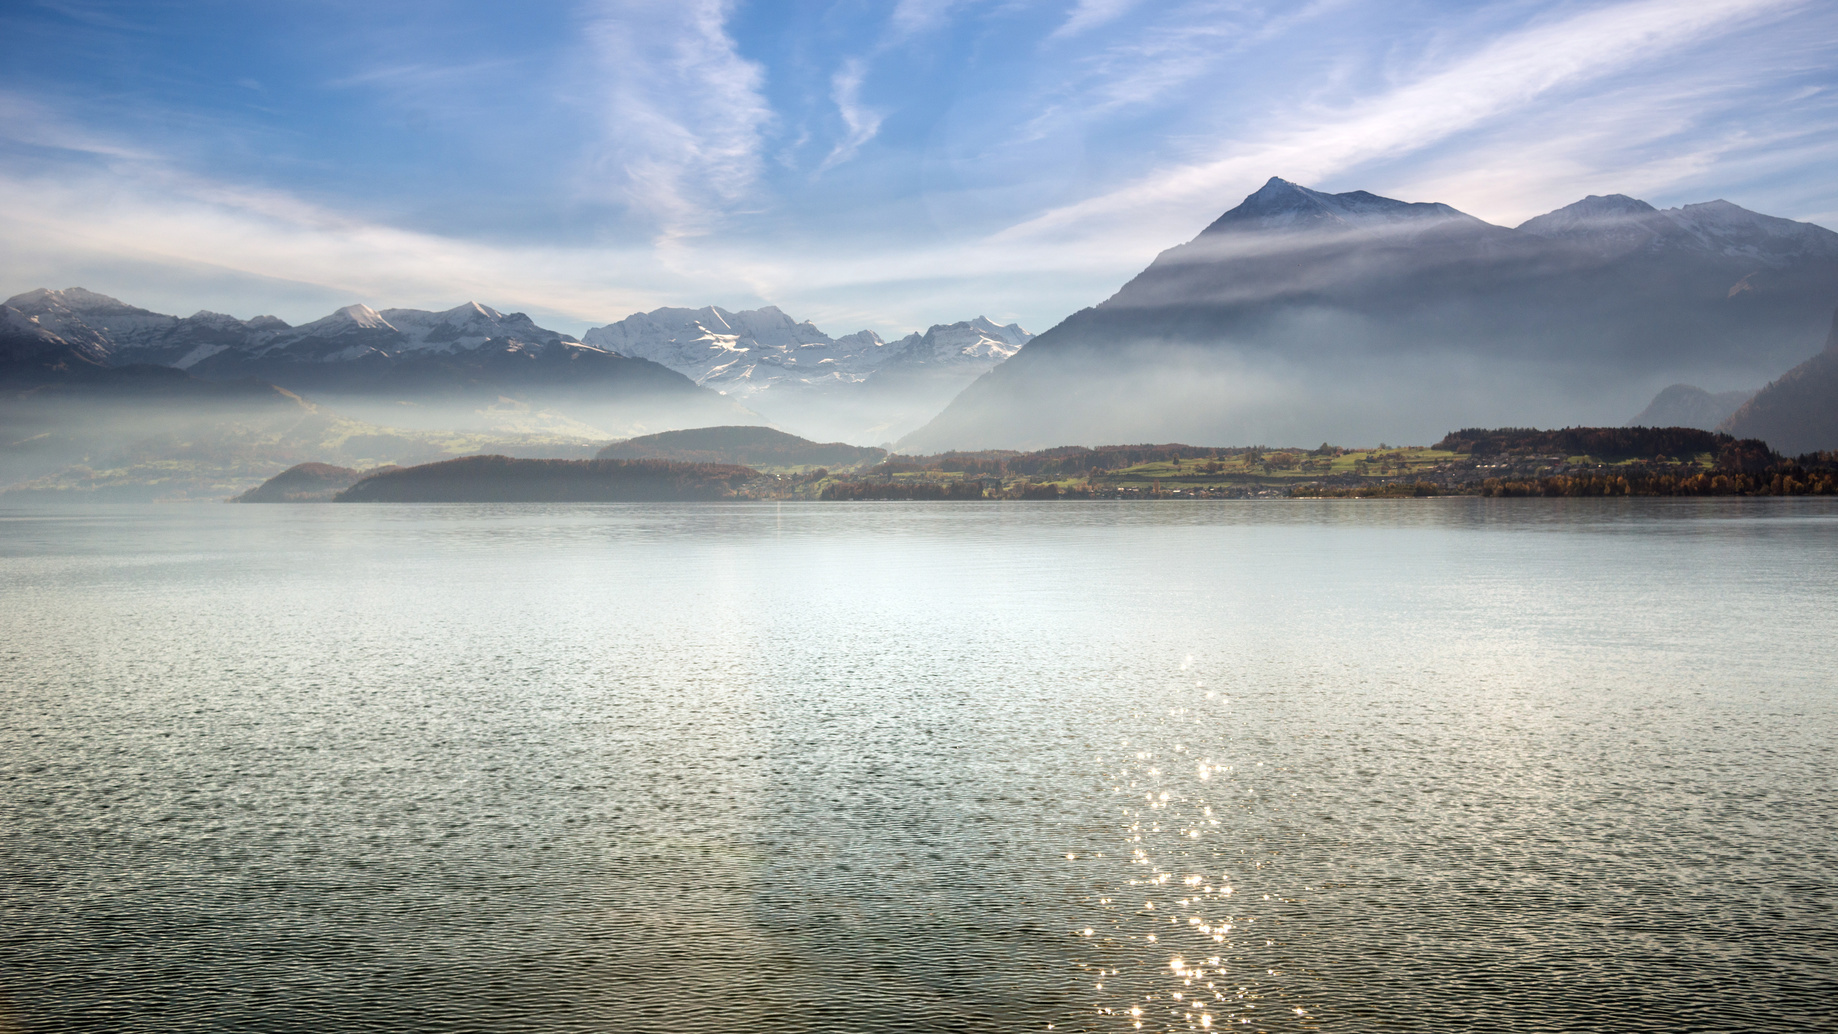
(883, 165)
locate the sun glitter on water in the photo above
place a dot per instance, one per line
(1187, 862)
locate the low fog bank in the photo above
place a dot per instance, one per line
(875, 412)
(1323, 377)
(1387, 371)
(105, 448)
(576, 414)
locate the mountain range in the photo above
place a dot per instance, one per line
(756, 350)
(680, 367)
(1296, 316)
(403, 366)
(1299, 316)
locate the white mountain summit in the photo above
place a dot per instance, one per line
(754, 350)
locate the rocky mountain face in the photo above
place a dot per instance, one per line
(29, 350)
(1686, 405)
(1799, 412)
(1300, 316)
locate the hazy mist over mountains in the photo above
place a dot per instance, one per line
(1799, 412)
(475, 368)
(1300, 316)
(1296, 317)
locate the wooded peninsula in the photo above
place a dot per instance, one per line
(1499, 463)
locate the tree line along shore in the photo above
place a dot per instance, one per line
(1498, 463)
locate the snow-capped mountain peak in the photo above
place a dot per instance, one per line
(754, 350)
(73, 299)
(91, 320)
(360, 315)
(977, 342)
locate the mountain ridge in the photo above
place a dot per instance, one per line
(1302, 316)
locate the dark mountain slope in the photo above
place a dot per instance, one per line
(31, 353)
(1798, 413)
(1301, 316)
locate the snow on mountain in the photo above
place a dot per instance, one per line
(128, 334)
(363, 317)
(968, 344)
(1617, 223)
(1596, 213)
(350, 333)
(740, 353)
(26, 344)
(90, 320)
(754, 350)
(203, 334)
(465, 327)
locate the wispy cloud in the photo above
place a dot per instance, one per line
(860, 121)
(1504, 76)
(419, 75)
(911, 17)
(26, 121)
(1089, 14)
(682, 111)
(1691, 137)
(126, 213)
(1157, 61)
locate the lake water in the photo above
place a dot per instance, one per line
(1430, 765)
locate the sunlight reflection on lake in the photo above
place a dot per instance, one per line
(1426, 765)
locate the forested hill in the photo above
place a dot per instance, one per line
(751, 446)
(1605, 443)
(500, 479)
(307, 483)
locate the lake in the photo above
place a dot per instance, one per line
(1425, 765)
